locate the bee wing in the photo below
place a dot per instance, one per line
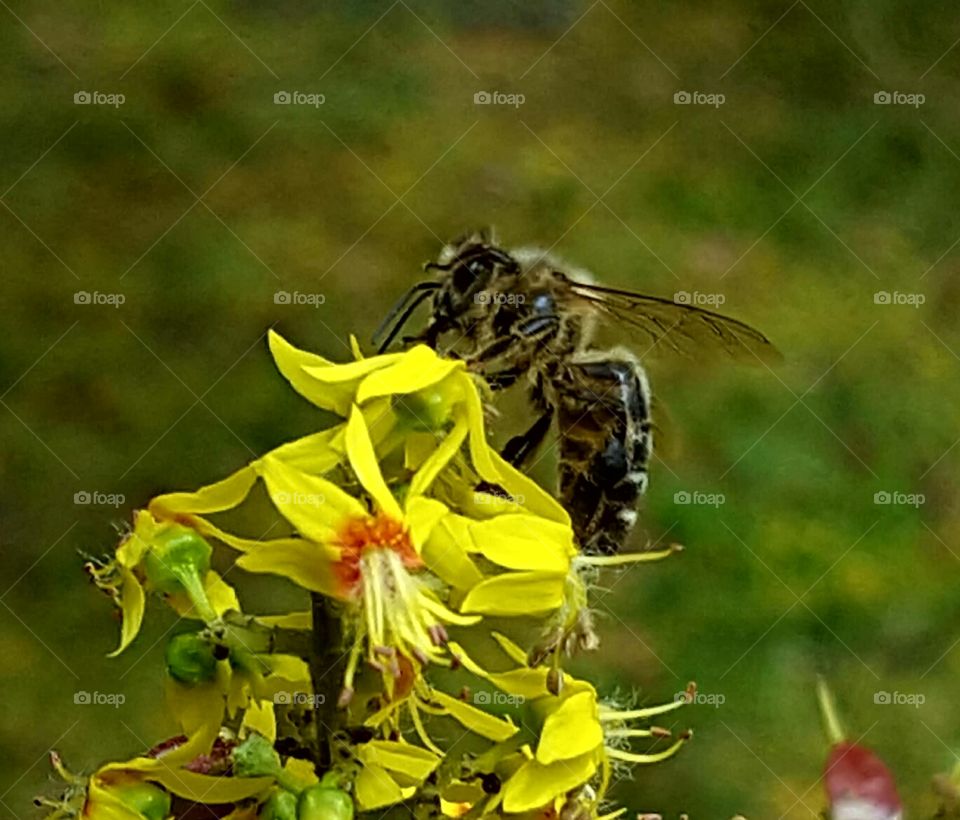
(686, 329)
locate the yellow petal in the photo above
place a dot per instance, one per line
(421, 516)
(534, 784)
(316, 507)
(132, 606)
(363, 460)
(412, 761)
(439, 458)
(198, 710)
(516, 593)
(317, 453)
(103, 804)
(259, 717)
(374, 789)
(293, 364)
(524, 541)
(476, 720)
(291, 620)
(416, 369)
(291, 668)
(303, 562)
(444, 554)
(570, 730)
(302, 771)
(524, 682)
(513, 651)
(224, 495)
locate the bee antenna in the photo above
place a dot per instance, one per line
(417, 293)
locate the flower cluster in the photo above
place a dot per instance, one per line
(410, 534)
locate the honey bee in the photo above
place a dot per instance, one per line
(522, 315)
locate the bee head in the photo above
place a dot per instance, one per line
(468, 268)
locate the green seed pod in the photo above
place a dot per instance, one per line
(190, 658)
(282, 805)
(321, 803)
(256, 757)
(178, 556)
(149, 800)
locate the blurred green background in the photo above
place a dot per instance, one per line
(798, 571)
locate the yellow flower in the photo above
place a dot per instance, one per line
(141, 788)
(167, 558)
(578, 737)
(370, 556)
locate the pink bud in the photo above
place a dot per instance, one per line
(859, 785)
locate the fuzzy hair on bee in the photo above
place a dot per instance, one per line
(523, 316)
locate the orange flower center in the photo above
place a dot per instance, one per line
(360, 535)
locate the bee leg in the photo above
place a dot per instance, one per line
(605, 444)
(503, 379)
(521, 447)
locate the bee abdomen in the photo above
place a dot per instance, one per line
(605, 445)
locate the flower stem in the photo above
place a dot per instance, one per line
(326, 673)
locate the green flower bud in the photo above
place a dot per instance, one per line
(176, 553)
(282, 805)
(190, 658)
(256, 757)
(149, 800)
(428, 410)
(321, 803)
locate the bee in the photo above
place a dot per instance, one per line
(523, 316)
